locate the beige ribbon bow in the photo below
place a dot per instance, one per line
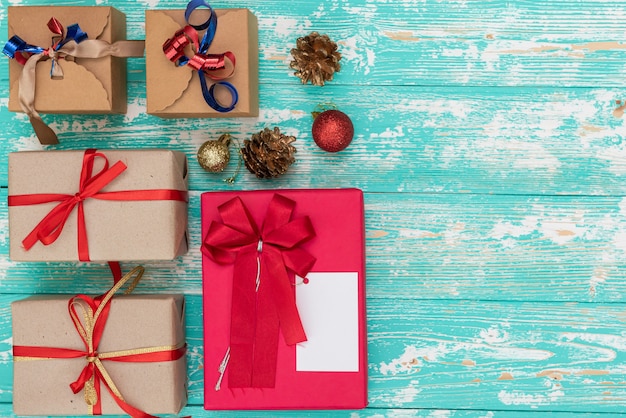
(90, 48)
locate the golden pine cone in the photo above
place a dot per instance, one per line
(315, 59)
(268, 153)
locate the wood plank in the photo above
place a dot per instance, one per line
(422, 246)
(408, 139)
(199, 412)
(462, 355)
(557, 43)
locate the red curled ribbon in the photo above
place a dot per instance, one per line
(174, 50)
(90, 328)
(90, 184)
(257, 315)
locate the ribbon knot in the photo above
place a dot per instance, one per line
(18, 49)
(263, 299)
(202, 62)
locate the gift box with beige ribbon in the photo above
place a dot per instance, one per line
(67, 59)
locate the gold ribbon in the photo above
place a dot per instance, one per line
(86, 327)
(90, 48)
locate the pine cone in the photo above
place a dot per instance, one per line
(268, 153)
(315, 59)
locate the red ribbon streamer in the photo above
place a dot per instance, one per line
(51, 226)
(90, 370)
(256, 316)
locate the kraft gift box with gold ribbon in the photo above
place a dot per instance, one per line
(97, 205)
(74, 81)
(77, 355)
(284, 299)
(174, 90)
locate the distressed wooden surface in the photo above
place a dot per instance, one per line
(490, 146)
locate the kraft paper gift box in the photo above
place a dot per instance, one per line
(41, 386)
(175, 92)
(88, 85)
(329, 370)
(139, 214)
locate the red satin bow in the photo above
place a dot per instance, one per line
(90, 186)
(257, 315)
(91, 333)
(174, 49)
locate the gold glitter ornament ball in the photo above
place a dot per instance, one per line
(214, 156)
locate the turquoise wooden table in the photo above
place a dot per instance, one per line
(490, 147)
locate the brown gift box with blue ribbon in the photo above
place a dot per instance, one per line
(72, 84)
(139, 360)
(175, 91)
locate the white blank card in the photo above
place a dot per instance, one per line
(329, 308)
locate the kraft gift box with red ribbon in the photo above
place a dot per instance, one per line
(97, 205)
(284, 299)
(78, 355)
(201, 62)
(67, 59)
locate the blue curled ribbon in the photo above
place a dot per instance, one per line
(181, 60)
(16, 48)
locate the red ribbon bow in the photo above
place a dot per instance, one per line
(174, 49)
(263, 296)
(90, 186)
(96, 311)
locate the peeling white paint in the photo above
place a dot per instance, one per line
(277, 116)
(493, 335)
(4, 232)
(527, 226)
(285, 27)
(408, 362)
(561, 231)
(6, 354)
(407, 394)
(396, 132)
(600, 342)
(135, 109)
(150, 4)
(441, 413)
(516, 397)
(616, 157)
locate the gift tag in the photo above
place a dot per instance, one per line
(328, 304)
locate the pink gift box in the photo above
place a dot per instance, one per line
(329, 370)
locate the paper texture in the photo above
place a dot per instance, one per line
(328, 304)
(116, 230)
(339, 246)
(101, 82)
(174, 92)
(41, 387)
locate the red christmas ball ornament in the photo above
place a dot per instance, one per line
(332, 130)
